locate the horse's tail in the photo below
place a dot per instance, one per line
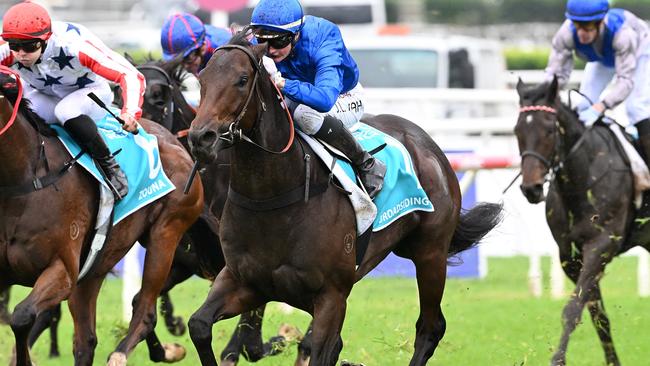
(205, 239)
(474, 225)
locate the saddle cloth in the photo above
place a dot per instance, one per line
(637, 164)
(401, 193)
(139, 159)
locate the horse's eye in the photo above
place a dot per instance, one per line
(242, 81)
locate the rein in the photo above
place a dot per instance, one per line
(234, 131)
(14, 113)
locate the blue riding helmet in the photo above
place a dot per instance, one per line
(181, 33)
(278, 15)
(586, 10)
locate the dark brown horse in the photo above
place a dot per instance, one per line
(45, 249)
(303, 253)
(200, 253)
(589, 207)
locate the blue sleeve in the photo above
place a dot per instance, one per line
(328, 83)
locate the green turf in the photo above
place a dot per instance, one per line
(489, 322)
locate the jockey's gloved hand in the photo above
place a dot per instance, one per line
(275, 75)
(589, 116)
(130, 122)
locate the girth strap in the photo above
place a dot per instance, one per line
(39, 183)
(283, 200)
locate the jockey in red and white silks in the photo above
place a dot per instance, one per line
(74, 63)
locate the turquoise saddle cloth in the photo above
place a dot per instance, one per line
(402, 192)
(139, 159)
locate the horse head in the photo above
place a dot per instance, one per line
(536, 132)
(231, 102)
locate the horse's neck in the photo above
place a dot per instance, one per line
(18, 147)
(571, 129)
(259, 174)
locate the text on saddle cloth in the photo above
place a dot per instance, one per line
(139, 158)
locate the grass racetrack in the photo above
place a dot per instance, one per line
(494, 321)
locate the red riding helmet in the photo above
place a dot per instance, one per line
(26, 21)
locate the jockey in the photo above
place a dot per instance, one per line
(320, 79)
(60, 64)
(185, 34)
(615, 44)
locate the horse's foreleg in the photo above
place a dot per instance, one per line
(596, 254)
(4, 307)
(601, 322)
(329, 313)
(174, 325)
(246, 340)
(51, 287)
(48, 319)
(226, 299)
(83, 308)
(158, 258)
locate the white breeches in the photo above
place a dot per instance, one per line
(348, 109)
(637, 104)
(58, 110)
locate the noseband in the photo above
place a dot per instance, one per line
(235, 132)
(168, 109)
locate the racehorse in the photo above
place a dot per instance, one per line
(46, 250)
(589, 206)
(201, 253)
(302, 251)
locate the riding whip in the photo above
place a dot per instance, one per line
(99, 102)
(195, 168)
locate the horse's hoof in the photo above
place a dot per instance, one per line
(179, 328)
(348, 363)
(174, 352)
(228, 363)
(290, 333)
(5, 318)
(302, 361)
(116, 359)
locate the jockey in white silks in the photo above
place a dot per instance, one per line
(616, 45)
(60, 64)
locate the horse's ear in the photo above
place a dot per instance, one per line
(552, 89)
(259, 51)
(520, 86)
(129, 58)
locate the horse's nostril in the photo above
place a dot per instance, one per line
(208, 138)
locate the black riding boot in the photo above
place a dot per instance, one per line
(643, 127)
(371, 170)
(84, 130)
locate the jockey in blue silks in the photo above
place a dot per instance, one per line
(185, 34)
(320, 79)
(616, 45)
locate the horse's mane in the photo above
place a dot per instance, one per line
(9, 88)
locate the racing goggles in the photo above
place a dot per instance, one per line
(275, 40)
(29, 47)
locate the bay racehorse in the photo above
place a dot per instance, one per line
(303, 253)
(589, 205)
(200, 253)
(45, 249)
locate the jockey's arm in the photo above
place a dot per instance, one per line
(625, 44)
(113, 67)
(560, 61)
(328, 83)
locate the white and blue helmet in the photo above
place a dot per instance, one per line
(586, 10)
(278, 16)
